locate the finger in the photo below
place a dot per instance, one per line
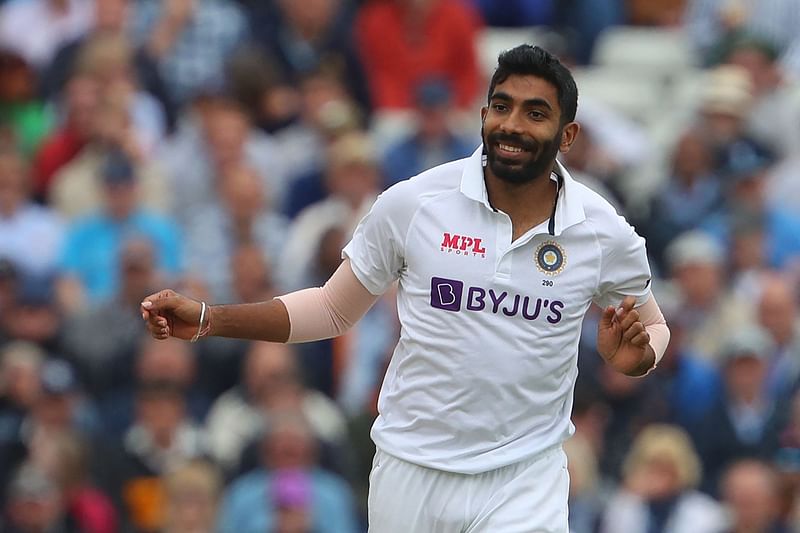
(154, 330)
(642, 339)
(627, 304)
(633, 331)
(158, 327)
(159, 332)
(629, 319)
(152, 319)
(607, 318)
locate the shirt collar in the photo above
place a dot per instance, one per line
(569, 205)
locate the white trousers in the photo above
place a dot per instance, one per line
(526, 497)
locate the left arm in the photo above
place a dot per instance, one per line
(633, 340)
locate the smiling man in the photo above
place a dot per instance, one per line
(497, 257)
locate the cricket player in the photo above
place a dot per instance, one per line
(497, 257)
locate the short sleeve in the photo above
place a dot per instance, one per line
(376, 251)
(625, 270)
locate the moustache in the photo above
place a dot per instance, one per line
(514, 140)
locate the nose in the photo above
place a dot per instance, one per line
(512, 124)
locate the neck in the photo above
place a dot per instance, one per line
(243, 229)
(527, 204)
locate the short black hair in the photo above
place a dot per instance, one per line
(528, 60)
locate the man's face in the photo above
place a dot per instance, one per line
(522, 128)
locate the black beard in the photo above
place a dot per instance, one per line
(529, 171)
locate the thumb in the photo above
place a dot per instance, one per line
(607, 318)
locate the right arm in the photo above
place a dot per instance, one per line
(302, 316)
(373, 261)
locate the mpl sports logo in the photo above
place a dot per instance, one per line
(462, 245)
(449, 294)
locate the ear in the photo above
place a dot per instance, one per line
(484, 112)
(568, 136)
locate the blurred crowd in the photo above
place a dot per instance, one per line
(227, 148)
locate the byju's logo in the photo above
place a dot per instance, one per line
(462, 245)
(448, 294)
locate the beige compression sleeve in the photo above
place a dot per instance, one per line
(330, 310)
(655, 325)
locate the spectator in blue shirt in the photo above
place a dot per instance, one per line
(291, 488)
(745, 169)
(90, 259)
(432, 142)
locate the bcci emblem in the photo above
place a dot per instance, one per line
(550, 258)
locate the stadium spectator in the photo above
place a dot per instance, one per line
(193, 493)
(86, 507)
(774, 118)
(689, 384)
(402, 43)
(777, 307)
(111, 19)
(744, 170)
(56, 22)
(296, 489)
(585, 498)
(305, 37)
(251, 276)
(691, 192)
(659, 490)
(270, 382)
(163, 363)
(241, 216)
(103, 361)
(20, 389)
(217, 136)
(76, 190)
(34, 502)
(696, 265)
(433, 140)
(27, 117)
(31, 235)
(190, 40)
(161, 438)
(745, 419)
(37, 317)
(353, 180)
(711, 23)
(110, 60)
(327, 112)
(725, 102)
(750, 489)
(90, 260)
(78, 104)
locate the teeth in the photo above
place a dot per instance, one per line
(508, 148)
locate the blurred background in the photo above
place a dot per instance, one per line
(227, 149)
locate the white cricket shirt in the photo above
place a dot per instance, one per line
(484, 371)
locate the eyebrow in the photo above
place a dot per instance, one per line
(531, 102)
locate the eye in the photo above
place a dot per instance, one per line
(537, 115)
(500, 107)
